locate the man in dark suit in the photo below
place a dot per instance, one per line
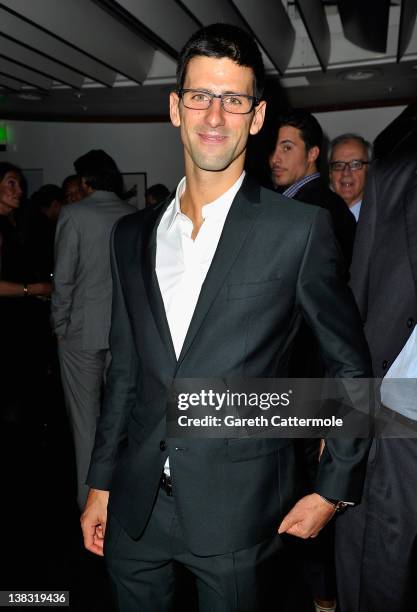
(294, 172)
(213, 283)
(376, 541)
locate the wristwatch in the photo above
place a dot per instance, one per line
(338, 505)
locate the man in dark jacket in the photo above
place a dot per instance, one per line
(178, 313)
(377, 543)
(294, 172)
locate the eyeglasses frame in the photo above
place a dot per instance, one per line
(255, 101)
(363, 162)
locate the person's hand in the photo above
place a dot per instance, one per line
(94, 519)
(309, 515)
(40, 288)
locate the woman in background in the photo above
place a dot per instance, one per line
(21, 338)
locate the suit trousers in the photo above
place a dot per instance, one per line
(142, 571)
(82, 374)
(376, 541)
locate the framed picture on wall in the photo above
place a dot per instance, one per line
(135, 183)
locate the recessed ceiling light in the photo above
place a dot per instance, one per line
(359, 75)
(34, 97)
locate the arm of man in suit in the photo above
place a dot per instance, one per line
(66, 261)
(329, 308)
(120, 396)
(364, 243)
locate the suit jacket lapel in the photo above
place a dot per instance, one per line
(238, 224)
(148, 261)
(410, 209)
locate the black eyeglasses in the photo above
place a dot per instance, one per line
(197, 99)
(354, 164)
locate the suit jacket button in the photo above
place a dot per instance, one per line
(410, 322)
(162, 445)
(384, 365)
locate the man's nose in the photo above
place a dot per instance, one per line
(274, 157)
(347, 169)
(215, 114)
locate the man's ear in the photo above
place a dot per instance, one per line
(313, 154)
(174, 109)
(258, 118)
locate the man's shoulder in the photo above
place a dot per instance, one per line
(94, 205)
(317, 192)
(129, 225)
(396, 165)
(278, 206)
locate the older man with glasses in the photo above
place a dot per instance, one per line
(349, 158)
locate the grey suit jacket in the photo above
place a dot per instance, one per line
(384, 264)
(81, 298)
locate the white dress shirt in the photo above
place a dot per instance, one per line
(399, 387)
(182, 263)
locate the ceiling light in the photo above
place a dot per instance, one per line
(359, 75)
(34, 97)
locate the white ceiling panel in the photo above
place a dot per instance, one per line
(32, 37)
(39, 63)
(175, 26)
(6, 81)
(86, 26)
(24, 74)
(221, 11)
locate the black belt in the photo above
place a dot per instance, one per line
(166, 484)
(399, 418)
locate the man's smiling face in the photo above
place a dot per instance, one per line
(214, 139)
(349, 184)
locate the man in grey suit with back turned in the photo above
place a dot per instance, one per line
(214, 283)
(81, 298)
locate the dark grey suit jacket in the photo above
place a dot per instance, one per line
(384, 265)
(318, 193)
(277, 261)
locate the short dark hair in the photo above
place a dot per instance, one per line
(224, 40)
(310, 128)
(158, 192)
(68, 180)
(6, 167)
(99, 171)
(47, 194)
